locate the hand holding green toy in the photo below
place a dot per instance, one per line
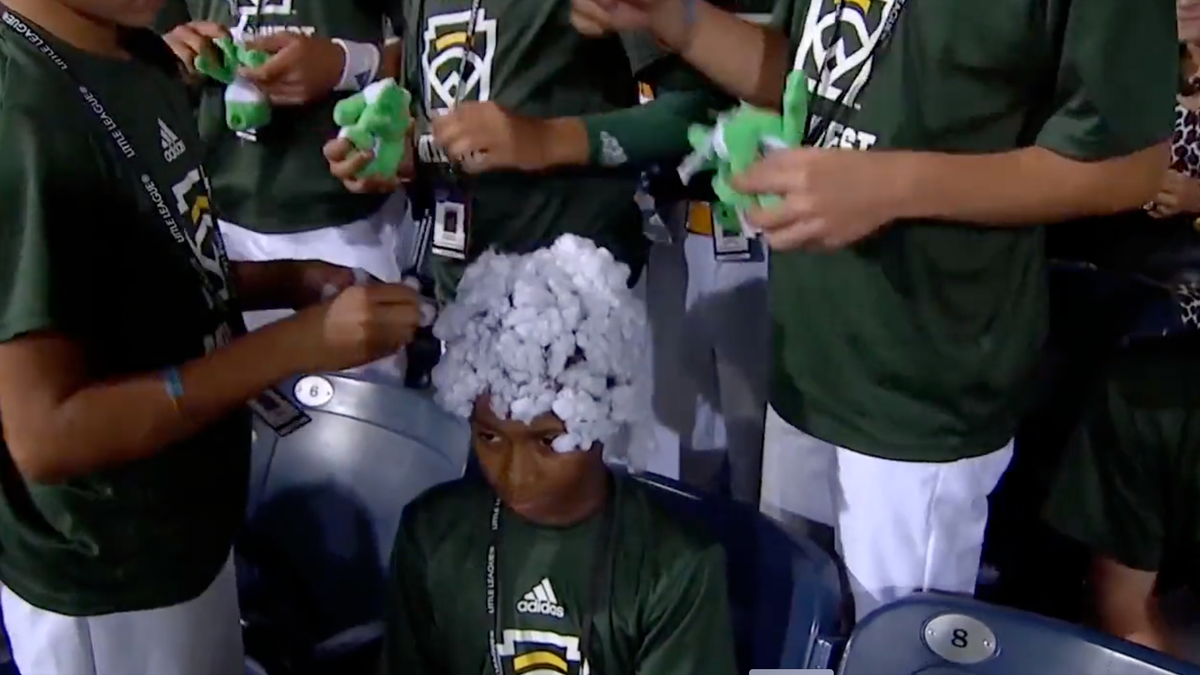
(246, 107)
(738, 140)
(376, 120)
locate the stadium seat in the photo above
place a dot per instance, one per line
(951, 635)
(785, 594)
(324, 505)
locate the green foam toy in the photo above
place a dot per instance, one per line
(739, 138)
(377, 120)
(246, 107)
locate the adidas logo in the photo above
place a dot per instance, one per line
(172, 145)
(541, 600)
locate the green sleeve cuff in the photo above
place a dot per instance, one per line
(644, 134)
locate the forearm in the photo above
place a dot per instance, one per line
(277, 284)
(644, 134)
(748, 61)
(391, 60)
(111, 423)
(1135, 619)
(1031, 186)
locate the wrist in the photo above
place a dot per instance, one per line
(913, 183)
(564, 142)
(360, 64)
(674, 23)
(292, 343)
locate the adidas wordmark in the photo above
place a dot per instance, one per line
(172, 145)
(541, 600)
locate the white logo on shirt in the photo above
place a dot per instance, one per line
(444, 45)
(857, 26)
(541, 600)
(172, 146)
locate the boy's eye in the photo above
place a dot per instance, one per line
(486, 437)
(548, 442)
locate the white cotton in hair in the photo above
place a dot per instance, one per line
(557, 330)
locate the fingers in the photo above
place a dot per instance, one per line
(1167, 200)
(187, 43)
(589, 17)
(775, 174)
(209, 29)
(287, 95)
(278, 66)
(273, 43)
(387, 295)
(337, 150)
(346, 164)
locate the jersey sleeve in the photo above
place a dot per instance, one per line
(410, 637)
(52, 193)
(1117, 76)
(689, 629)
(1109, 492)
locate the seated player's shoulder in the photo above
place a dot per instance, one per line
(1157, 373)
(663, 538)
(448, 510)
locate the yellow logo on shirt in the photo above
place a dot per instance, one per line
(542, 652)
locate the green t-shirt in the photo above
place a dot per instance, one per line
(917, 343)
(667, 611)
(529, 59)
(276, 180)
(84, 253)
(1129, 486)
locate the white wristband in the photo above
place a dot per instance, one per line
(361, 67)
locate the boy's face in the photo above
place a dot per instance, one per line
(132, 13)
(520, 463)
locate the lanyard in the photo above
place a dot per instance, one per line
(121, 148)
(878, 50)
(602, 549)
(253, 20)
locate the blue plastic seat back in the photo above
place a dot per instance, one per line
(785, 594)
(940, 634)
(325, 500)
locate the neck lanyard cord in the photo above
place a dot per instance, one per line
(602, 560)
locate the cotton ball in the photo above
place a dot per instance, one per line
(518, 326)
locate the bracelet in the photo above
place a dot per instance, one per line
(361, 66)
(173, 383)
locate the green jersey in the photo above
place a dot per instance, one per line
(276, 180)
(1129, 486)
(917, 343)
(86, 254)
(527, 58)
(666, 611)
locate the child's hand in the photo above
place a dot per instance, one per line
(346, 163)
(193, 39)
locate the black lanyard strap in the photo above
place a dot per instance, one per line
(121, 148)
(600, 571)
(878, 50)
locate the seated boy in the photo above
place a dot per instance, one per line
(553, 564)
(1129, 487)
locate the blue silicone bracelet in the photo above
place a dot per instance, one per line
(174, 385)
